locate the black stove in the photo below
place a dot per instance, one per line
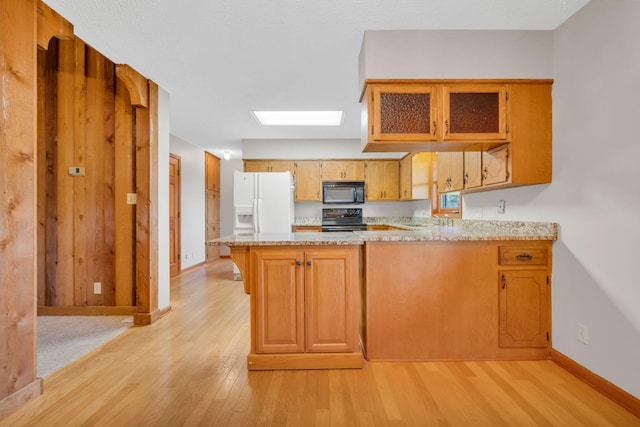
(342, 219)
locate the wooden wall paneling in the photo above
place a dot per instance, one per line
(50, 103)
(109, 284)
(146, 131)
(79, 196)
(18, 121)
(41, 176)
(124, 183)
(50, 24)
(60, 283)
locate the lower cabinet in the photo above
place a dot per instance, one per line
(462, 300)
(305, 301)
(524, 308)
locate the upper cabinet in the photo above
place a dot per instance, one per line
(415, 176)
(269, 166)
(342, 170)
(474, 112)
(402, 112)
(445, 115)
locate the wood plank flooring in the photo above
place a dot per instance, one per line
(189, 369)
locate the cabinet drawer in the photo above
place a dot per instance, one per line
(523, 255)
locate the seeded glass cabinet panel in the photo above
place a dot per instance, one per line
(475, 112)
(404, 112)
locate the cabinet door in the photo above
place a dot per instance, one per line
(279, 301)
(403, 112)
(213, 232)
(331, 170)
(495, 165)
(282, 166)
(308, 181)
(524, 308)
(331, 292)
(472, 169)
(391, 189)
(256, 166)
(475, 112)
(405, 177)
(382, 179)
(353, 170)
(212, 171)
(450, 171)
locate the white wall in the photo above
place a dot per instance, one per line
(163, 199)
(192, 201)
(595, 195)
(451, 54)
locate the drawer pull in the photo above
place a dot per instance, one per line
(524, 257)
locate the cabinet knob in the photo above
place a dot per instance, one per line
(309, 263)
(298, 263)
(504, 281)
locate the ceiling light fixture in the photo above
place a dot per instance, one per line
(299, 118)
(226, 155)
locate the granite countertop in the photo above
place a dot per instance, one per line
(288, 239)
(415, 230)
(464, 230)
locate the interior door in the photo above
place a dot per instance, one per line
(174, 214)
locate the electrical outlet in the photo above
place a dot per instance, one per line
(97, 287)
(501, 206)
(131, 198)
(583, 334)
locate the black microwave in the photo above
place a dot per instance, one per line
(342, 192)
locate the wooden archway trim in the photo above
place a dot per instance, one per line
(136, 84)
(50, 25)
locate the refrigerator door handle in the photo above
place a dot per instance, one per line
(257, 226)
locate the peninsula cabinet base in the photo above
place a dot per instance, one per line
(463, 300)
(265, 362)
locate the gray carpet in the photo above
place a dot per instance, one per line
(63, 339)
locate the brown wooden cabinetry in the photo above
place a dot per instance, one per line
(212, 207)
(474, 112)
(483, 300)
(525, 296)
(306, 228)
(450, 171)
(308, 188)
(472, 169)
(471, 116)
(342, 170)
(304, 301)
(402, 112)
(495, 166)
(382, 179)
(415, 176)
(269, 166)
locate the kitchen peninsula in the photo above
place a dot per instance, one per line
(478, 290)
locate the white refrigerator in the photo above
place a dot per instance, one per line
(262, 203)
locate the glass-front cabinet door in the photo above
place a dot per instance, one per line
(475, 112)
(404, 113)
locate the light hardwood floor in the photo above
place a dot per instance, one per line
(189, 369)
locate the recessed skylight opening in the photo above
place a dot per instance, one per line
(298, 118)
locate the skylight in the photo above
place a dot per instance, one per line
(298, 118)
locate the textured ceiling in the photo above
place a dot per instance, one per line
(220, 59)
